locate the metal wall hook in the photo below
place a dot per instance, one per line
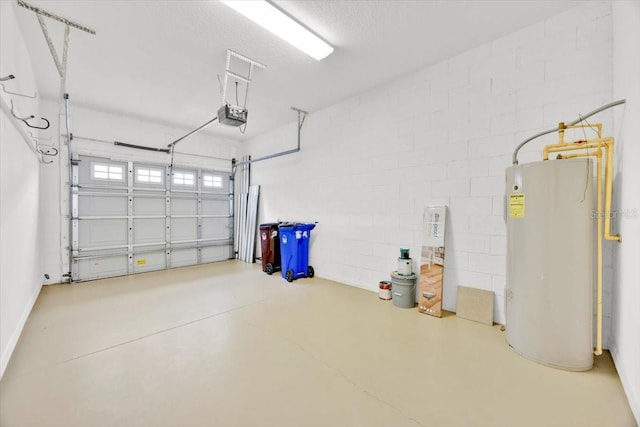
(51, 152)
(48, 152)
(5, 78)
(24, 119)
(38, 127)
(4, 89)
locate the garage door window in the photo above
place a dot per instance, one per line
(212, 181)
(102, 171)
(149, 175)
(184, 178)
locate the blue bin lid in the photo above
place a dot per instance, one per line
(297, 225)
(304, 227)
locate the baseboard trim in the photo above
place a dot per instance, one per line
(11, 345)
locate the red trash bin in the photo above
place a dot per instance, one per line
(270, 244)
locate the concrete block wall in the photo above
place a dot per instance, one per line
(369, 165)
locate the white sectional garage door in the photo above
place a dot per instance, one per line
(131, 217)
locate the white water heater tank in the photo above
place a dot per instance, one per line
(550, 262)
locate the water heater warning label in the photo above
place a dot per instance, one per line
(516, 205)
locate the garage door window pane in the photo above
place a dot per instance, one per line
(148, 175)
(213, 181)
(108, 172)
(183, 178)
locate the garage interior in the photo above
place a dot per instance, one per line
(143, 143)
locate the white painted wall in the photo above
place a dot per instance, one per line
(625, 336)
(20, 265)
(94, 124)
(444, 134)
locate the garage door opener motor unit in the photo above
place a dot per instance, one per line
(232, 115)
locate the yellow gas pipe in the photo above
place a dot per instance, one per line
(607, 195)
(596, 144)
(598, 155)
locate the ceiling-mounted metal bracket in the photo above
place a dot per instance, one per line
(246, 79)
(61, 65)
(301, 116)
(65, 21)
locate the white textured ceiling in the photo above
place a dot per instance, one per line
(158, 60)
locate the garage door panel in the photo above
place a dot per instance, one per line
(215, 207)
(148, 206)
(184, 206)
(149, 261)
(102, 205)
(215, 253)
(184, 257)
(215, 227)
(102, 232)
(184, 229)
(148, 230)
(108, 266)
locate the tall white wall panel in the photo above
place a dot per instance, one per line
(20, 230)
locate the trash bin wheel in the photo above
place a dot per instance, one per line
(310, 272)
(289, 275)
(268, 268)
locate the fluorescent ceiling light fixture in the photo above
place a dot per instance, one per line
(273, 19)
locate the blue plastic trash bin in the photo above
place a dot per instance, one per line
(294, 250)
